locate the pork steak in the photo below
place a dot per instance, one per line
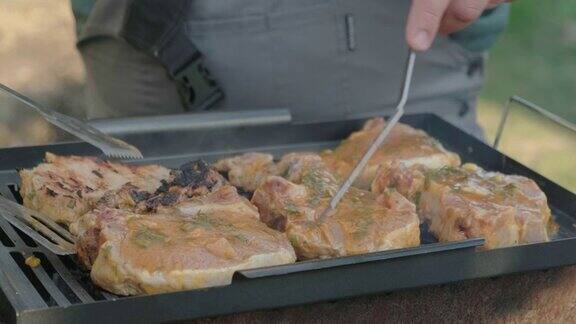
(362, 222)
(465, 202)
(404, 144)
(196, 243)
(65, 187)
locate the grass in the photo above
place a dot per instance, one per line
(538, 143)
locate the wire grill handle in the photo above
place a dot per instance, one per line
(532, 106)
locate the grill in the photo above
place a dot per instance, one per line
(59, 291)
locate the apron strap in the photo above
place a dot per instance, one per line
(158, 28)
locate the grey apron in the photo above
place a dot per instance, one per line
(323, 59)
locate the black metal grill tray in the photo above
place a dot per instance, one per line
(60, 292)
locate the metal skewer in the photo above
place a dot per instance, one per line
(380, 138)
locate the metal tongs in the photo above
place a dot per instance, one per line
(41, 228)
(380, 138)
(110, 146)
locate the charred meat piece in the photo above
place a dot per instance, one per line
(194, 175)
(465, 202)
(191, 179)
(192, 244)
(404, 144)
(65, 187)
(362, 222)
(247, 171)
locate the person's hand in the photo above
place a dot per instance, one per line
(428, 17)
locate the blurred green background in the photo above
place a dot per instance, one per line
(534, 58)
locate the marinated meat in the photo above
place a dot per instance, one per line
(407, 180)
(361, 223)
(404, 144)
(193, 231)
(65, 187)
(465, 202)
(194, 243)
(191, 179)
(248, 170)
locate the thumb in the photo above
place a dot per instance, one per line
(423, 22)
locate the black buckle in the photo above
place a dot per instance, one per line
(197, 89)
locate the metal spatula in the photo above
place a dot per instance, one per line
(110, 146)
(380, 138)
(39, 227)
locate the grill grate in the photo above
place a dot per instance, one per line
(15, 191)
(36, 276)
(5, 240)
(78, 278)
(57, 281)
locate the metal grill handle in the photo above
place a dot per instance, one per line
(532, 106)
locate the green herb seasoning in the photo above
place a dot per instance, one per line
(456, 188)
(203, 219)
(294, 240)
(363, 224)
(71, 204)
(449, 172)
(242, 238)
(291, 207)
(186, 227)
(319, 183)
(242, 178)
(508, 190)
(106, 250)
(31, 195)
(314, 201)
(417, 197)
(146, 236)
(428, 179)
(285, 173)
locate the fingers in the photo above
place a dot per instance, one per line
(423, 22)
(428, 17)
(461, 13)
